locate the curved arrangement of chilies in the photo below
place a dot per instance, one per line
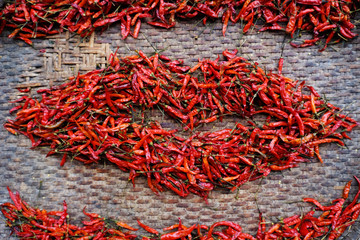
(328, 20)
(91, 117)
(325, 222)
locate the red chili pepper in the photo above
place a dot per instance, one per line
(163, 25)
(137, 29)
(63, 160)
(315, 202)
(178, 234)
(249, 23)
(147, 228)
(14, 199)
(226, 18)
(224, 223)
(281, 63)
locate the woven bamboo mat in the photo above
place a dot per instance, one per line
(104, 189)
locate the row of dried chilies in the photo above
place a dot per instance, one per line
(328, 22)
(324, 222)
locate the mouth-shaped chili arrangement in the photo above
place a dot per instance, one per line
(329, 20)
(324, 222)
(91, 118)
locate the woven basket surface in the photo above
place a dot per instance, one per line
(104, 189)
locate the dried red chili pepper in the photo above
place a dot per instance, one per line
(147, 228)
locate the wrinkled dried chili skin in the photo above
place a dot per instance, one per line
(330, 21)
(327, 222)
(91, 117)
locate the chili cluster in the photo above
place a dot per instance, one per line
(91, 117)
(328, 20)
(325, 222)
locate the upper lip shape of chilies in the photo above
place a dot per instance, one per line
(329, 20)
(324, 222)
(91, 118)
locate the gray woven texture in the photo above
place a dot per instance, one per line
(104, 189)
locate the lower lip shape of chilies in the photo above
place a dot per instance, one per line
(324, 222)
(328, 20)
(91, 117)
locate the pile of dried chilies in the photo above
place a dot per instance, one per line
(329, 20)
(91, 118)
(325, 222)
